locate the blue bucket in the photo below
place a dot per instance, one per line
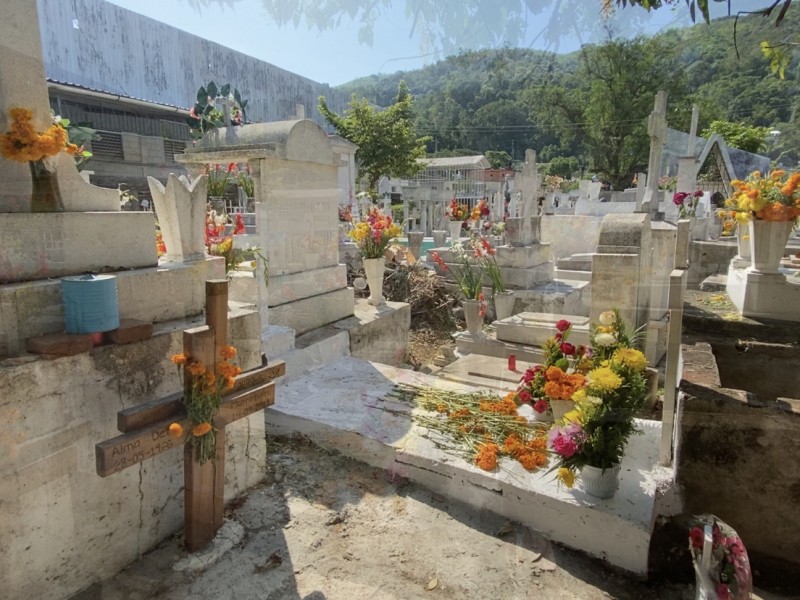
(90, 303)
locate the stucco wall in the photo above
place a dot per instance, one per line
(64, 527)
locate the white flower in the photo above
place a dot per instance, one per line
(607, 318)
(594, 400)
(605, 339)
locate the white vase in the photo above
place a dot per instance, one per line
(504, 304)
(541, 417)
(560, 408)
(439, 238)
(472, 314)
(374, 268)
(768, 243)
(600, 483)
(455, 230)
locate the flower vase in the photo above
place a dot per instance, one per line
(374, 268)
(560, 408)
(455, 230)
(541, 417)
(439, 238)
(600, 483)
(742, 259)
(217, 204)
(504, 304)
(472, 314)
(767, 244)
(45, 193)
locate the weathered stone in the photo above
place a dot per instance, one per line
(181, 208)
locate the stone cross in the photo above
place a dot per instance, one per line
(145, 428)
(528, 183)
(657, 128)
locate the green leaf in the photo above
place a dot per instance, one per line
(202, 97)
(225, 90)
(212, 90)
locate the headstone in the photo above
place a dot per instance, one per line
(528, 183)
(415, 242)
(439, 238)
(181, 209)
(657, 129)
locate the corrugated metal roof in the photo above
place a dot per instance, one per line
(78, 87)
(457, 162)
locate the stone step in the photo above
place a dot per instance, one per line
(355, 417)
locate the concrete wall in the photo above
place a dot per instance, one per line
(739, 458)
(571, 234)
(708, 258)
(122, 52)
(64, 527)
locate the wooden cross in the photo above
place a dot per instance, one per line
(145, 428)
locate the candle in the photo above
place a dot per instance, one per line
(512, 362)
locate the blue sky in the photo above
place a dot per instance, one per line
(336, 56)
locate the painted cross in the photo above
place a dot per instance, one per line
(145, 428)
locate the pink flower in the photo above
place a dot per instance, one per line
(698, 194)
(564, 446)
(562, 325)
(567, 349)
(540, 405)
(524, 396)
(723, 592)
(528, 375)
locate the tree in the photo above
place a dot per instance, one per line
(739, 135)
(387, 144)
(563, 166)
(500, 159)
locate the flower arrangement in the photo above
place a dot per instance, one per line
(22, 143)
(485, 253)
(373, 234)
(219, 236)
(467, 274)
(667, 183)
(219, 178)
(456, 211)
(202, 397)
(772, 198)
(687, 203)
(552, 380)
(721, 562)
(480, 210)
(596, 431)
(205, 116)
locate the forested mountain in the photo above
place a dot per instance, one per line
(593, 104)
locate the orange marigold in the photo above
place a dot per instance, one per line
(532, 460)
(228, 352)
(486, 458)
(178, 359)
(195, 368)
(513, 446)
(201, 429)
(175, 430)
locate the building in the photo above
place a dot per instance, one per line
(133, 79)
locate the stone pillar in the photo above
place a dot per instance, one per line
(181, 209)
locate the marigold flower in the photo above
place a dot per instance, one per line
(631, 358)
(486, 458)
(532, 460)
(178, 359)
(201, 429)
(175, 430)
(228, 352)
(195, 368)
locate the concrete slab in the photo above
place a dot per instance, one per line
(489, 345)
(345, 406)
(534, 328)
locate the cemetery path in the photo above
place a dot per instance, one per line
(325, 527)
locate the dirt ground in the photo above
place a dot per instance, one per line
(327, 527)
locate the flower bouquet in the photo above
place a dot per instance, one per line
(485, 253)
(480, 211)
(687, 203)
(556, 379)
(594, 434)
(218, 178)
(469, 279)
(772, 198)
(720, 561)
(244, 178)
(202, 398)
(456, 211)
(373, 234)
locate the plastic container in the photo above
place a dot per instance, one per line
(90, 303)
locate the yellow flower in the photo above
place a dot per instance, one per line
(606, 318)
(603, 379)
(566, 477)
(579, 396)
(631, 358)
(572, 416)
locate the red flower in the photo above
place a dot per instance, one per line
(696, 536)
(540, 405)
(698, 194)
(679, 197)
(528, 375)
(562, 325)
(439, 261)
(239, 225)
(558, 337)
(524, 396)
(567, 349)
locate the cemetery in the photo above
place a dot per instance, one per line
(621, 365)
